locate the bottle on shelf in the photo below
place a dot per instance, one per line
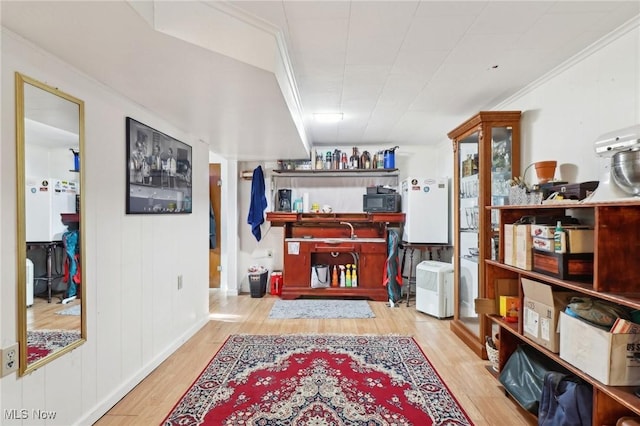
(327, 161)
(343, 280)
(347, 282)
(559, 239)
(354, 161)
(319, 161)
(344, 164)
(365, 160)
(334, 277)
(354, 277)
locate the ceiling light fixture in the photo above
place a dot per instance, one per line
(328, 117)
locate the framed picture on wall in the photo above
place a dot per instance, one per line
(158, 172)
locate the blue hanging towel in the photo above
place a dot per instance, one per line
(258, 203)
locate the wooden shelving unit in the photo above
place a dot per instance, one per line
(616, 279)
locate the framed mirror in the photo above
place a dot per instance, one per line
(50, 179)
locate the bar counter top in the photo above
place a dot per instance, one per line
(282, 218)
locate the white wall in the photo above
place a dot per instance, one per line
(136, 316)
(565, 112)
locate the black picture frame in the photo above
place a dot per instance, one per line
(158, 171)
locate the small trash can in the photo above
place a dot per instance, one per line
(276, 283)
(258, 283)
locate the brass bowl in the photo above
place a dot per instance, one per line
(625, 170)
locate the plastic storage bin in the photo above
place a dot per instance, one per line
(258, 284)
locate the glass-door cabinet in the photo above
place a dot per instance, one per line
(486, 153)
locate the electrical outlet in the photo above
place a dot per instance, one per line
(179, 282)
(9, 359)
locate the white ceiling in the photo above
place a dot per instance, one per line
(246, 76)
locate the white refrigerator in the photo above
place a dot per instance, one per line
(45, 200)
(425, 203)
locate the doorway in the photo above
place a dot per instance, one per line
(215, 196)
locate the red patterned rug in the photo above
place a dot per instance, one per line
(318, 380)
(41, 343)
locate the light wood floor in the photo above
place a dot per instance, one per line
(42, 315)
(466, 375)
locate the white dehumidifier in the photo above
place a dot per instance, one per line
(29, 283)
(434, 288)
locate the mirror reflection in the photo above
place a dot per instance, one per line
(49, 139)
(469, 216)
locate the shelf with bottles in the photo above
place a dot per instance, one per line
(337, 173)
(336, 160)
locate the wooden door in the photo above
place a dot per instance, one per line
(215, 189)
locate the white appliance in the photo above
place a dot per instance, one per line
(606, 146)
(29, 283)
(434, 288)
(45, 199)
(425, 203)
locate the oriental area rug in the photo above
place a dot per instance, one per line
(320, 308)
(41, 343)
(318, 380)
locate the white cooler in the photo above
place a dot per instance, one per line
(434, 288)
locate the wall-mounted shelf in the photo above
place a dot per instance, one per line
(338, 173)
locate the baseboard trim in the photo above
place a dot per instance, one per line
(112, 399)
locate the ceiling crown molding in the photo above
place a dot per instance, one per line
(598, 45)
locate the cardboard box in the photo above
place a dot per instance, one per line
(502, 287)
(523, 246)
(608, 358)
(542, 306)
(545, 244)
(566, 266)
(579, 237)
(547, 231)
(509, 305)
(517, 245)
(509, 245)
(510, 308)
(580, 240)
(543, 231)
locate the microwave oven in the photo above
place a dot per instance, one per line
(387, 203)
